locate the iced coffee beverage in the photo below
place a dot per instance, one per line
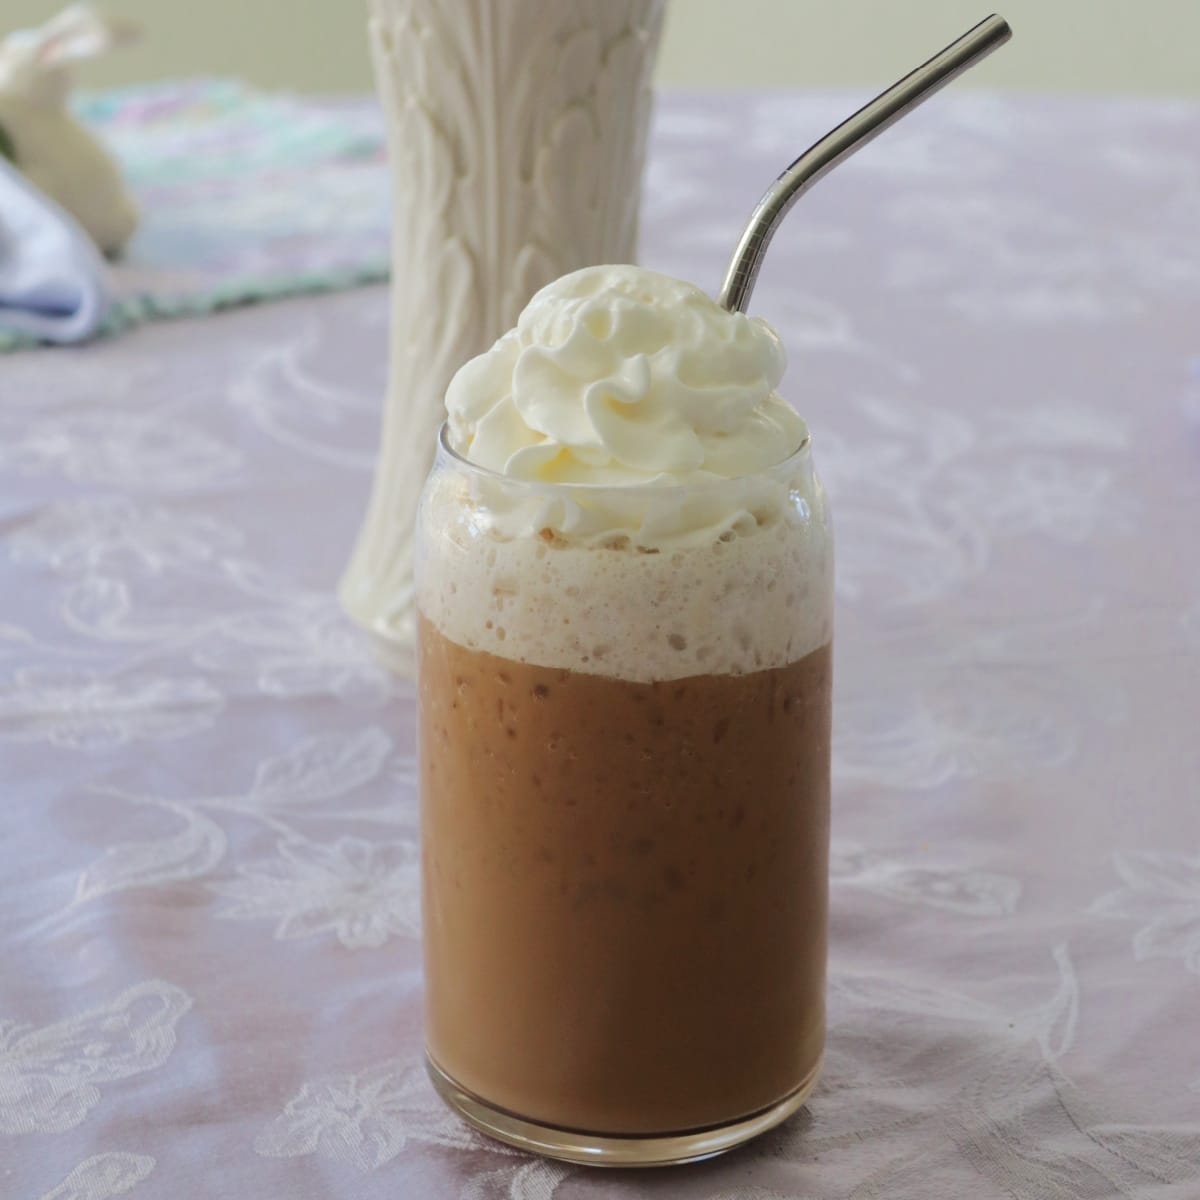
(624, 589)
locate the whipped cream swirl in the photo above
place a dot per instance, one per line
(619, 375)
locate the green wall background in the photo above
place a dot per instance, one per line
(1145, 46)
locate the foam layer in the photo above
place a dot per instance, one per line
(753, 592)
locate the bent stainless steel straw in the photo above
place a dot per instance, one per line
(851, 135)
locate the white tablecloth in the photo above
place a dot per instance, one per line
(209, 957)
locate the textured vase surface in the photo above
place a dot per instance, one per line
(516, 136)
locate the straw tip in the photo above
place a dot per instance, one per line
(1000, 25)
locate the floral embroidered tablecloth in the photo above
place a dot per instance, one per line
(209, 958)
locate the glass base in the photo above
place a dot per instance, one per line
(600, 1150)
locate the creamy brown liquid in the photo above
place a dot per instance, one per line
(625, 887)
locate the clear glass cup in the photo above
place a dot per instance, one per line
(624, 734)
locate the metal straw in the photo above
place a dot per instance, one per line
(851, 135)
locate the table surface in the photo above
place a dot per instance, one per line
(209, 957)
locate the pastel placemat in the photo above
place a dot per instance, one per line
(244, 196)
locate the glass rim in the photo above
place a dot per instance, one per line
(800, 453)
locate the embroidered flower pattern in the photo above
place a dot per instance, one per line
(50, 1077)
(97, 531)
(103, 1176)
(361, 892)
(80, 710)
(364, 1119)
(1162, 891)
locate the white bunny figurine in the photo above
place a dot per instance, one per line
(47, 144)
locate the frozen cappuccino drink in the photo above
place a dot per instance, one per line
(625, 592)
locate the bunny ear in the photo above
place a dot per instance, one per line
(81, 32)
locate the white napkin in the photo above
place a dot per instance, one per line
(53, 283)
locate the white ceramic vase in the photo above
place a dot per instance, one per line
(516, 134)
